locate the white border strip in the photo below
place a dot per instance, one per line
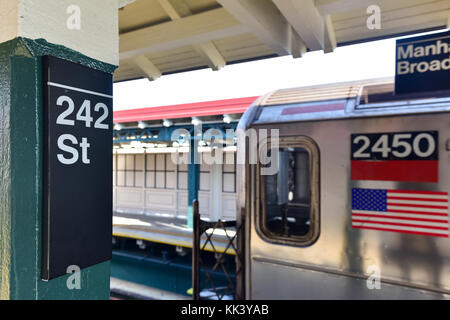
(79, 90)
(421, 40)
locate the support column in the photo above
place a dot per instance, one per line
(29, 30)
(193, 176)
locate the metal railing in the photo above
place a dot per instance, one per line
(208, 289)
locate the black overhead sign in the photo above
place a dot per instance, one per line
(77, 219)
(423, 63)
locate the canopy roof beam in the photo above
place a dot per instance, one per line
(207, 50)
(264, 21)
(147, 67)
(315, 30)
(191, 30)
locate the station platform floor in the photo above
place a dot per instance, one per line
(168, 230)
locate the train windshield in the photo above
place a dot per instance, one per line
(287, 194)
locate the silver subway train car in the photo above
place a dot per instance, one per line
(347, 195)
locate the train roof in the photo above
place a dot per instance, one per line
(375, 97)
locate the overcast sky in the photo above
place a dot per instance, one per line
(362, 61)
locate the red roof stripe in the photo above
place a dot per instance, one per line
(198, 109)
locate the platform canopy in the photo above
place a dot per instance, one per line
(166, 36)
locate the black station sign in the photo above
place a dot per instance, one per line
(423, 64)
(77, 218)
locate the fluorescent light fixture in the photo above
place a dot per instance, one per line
(118, 127)
(196, 121)
(227, 118)
(142, 125)
(167, 123)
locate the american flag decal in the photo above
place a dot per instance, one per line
(416, 212)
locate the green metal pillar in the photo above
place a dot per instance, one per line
(193, 177)
(21, 154)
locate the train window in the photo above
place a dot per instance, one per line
(376, 95)
(289, 200)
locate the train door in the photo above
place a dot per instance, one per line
(286, 210)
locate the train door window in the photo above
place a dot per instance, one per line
(290, 196)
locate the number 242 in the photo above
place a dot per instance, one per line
(84, 114)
